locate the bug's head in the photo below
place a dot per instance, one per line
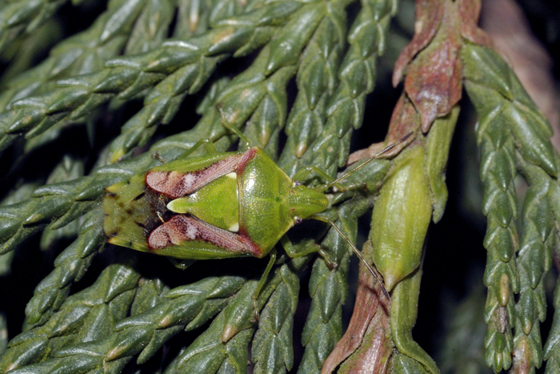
(306, 202)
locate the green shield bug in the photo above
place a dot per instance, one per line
(222, 205)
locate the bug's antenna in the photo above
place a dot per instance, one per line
(370, 160)
(232, 128)
(356, 252)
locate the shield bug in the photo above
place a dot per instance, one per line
(222, 205)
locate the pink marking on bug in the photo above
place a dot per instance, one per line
(247, 156)
(175, 184)
(254, 249)
(180, 229)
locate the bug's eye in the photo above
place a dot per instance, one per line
(297, 220)
(296, 183)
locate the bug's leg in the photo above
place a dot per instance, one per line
(331, 182)
(403, 139)
(236, 131)
(207, 143)
(357, 252)
(261, 284)
(181, 265)
(315, 248)
(302, 174)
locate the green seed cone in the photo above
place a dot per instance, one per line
(401, 217)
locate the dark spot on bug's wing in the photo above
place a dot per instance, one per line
(139, 196)
(158, 206)
(156, 200)
(145, 230)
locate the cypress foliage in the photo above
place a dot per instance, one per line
(92, 95)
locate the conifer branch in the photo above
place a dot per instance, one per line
(510, 123)
(126, 77)
(70, 267)
(85, 316)
(497, 172)
(328, 288)
(552, 347)
(23, 17)
(84, 53)
(534, 261)
(325, 121)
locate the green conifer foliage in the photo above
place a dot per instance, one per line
(380, 92)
